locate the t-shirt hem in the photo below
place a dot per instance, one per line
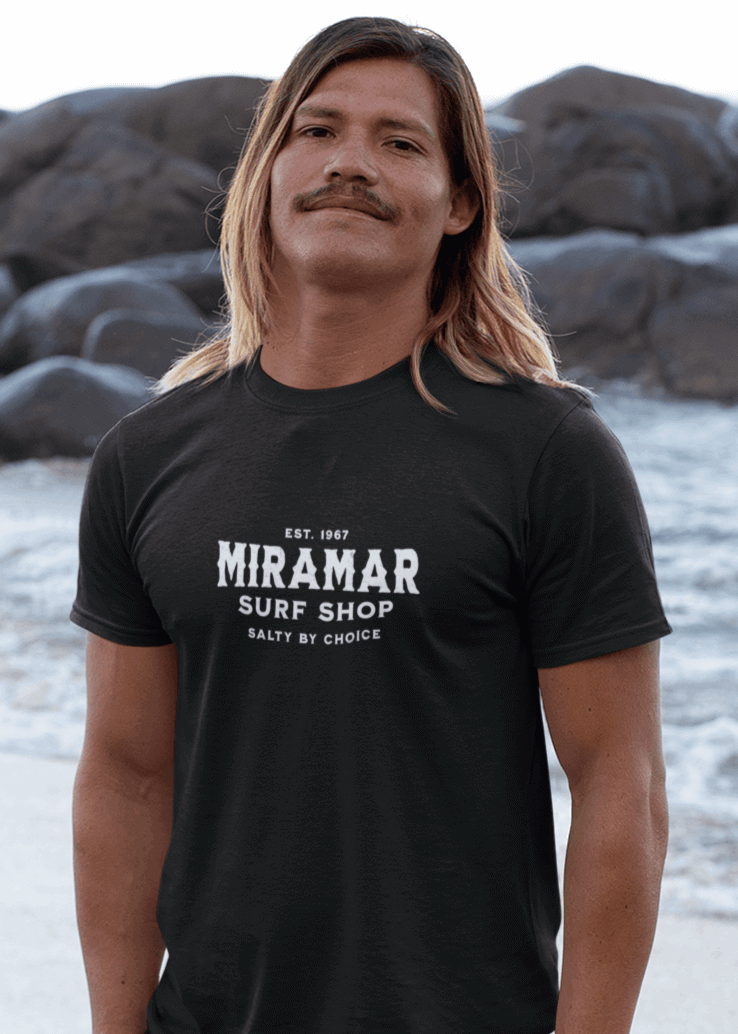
(116, 635)
(600, 645)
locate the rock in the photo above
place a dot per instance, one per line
(596, 290)
(195, 273)
(662, 311)
(728, 127)
(703, 258)
(694, 331)
(600, 149)
(98, 101)
(63, 406)
(52, 319)
(205, 120)
(8, 289)
(603, 88)
(696, 342)
(147, 342)
(32, 140)
(111, 196)
(30, 267)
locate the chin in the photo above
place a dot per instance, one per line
(344, 269)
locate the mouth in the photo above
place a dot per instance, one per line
(345, 203)
(320, 199)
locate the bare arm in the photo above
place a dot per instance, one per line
(604, 719)
(122, 819)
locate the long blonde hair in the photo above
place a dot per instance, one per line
(481, 312)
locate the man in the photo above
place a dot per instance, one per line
(325, 574)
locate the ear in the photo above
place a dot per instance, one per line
(464, 207)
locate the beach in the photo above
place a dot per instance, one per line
(690, 987)
(687, 467)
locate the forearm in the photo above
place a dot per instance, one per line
(122, 828)
(612, 879)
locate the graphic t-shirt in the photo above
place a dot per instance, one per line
(360, 590)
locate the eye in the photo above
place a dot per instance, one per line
(402, 145)
(319, 132)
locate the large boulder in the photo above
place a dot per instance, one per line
(195, 273)
(662, 311)
(63, 406)
(696, 342)
(205, 120)
(703, 258)
(595, 291)
(32, 140)
(148, 342)
(52, 319)
(603, 150)
(110, 196)
(694, 331)
(9, 291)
(603, 88)
(29, 267)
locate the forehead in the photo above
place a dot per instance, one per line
(390, 86)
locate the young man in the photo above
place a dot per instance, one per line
(325, 574)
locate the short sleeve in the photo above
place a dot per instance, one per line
(590, 579)
(111, 601)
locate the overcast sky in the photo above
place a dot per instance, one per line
(54, 47)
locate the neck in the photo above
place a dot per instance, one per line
(324, 339)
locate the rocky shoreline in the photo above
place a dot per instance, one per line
(620, 201)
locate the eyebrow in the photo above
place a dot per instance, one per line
(413, 125)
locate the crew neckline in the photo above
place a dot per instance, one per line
(283, 396)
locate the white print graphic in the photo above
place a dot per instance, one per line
(271, 563)
(256, 566)
(277, 635)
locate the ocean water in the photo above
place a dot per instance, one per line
(685, 456)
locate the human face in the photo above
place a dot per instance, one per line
(361, 194)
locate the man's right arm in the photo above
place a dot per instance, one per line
(122, 821)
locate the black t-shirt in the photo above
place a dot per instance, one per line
(360, 590)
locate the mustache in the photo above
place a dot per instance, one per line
(303, 202)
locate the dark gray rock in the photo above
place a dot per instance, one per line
(32, 140)
(606, 89)
(99, 101)
(596, 290)
(662, 311)
(30, 267)
(694, 331)
(601, 149)
(728, 127)
(205, 120)
(148, 342)
(63, 406)
(702, 259)
(111, 196)
(696, 341)
(648, 171)
(52, 319)
(8, 289)
(195, 273)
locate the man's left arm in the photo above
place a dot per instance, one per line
(604, 719)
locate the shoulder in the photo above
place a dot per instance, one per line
(166, 417)
(524, 413)
(149, 438)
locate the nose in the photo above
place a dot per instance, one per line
(351, 159)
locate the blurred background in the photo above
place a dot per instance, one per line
(616, 131)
